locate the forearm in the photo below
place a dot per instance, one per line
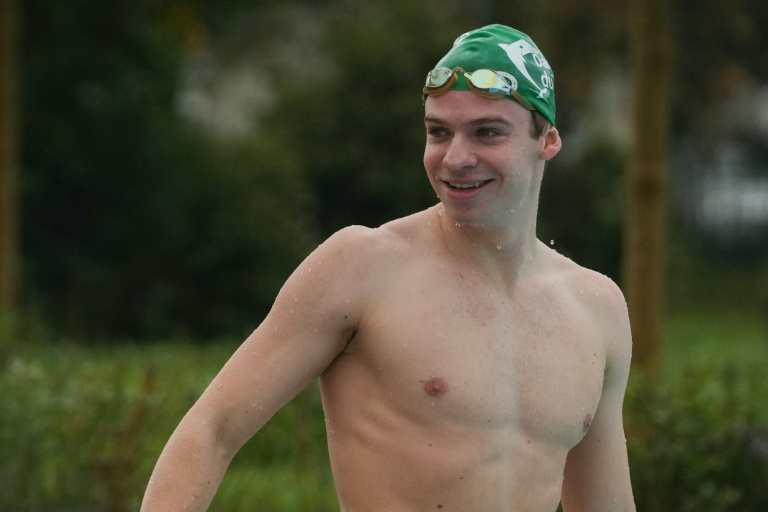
(188, 472)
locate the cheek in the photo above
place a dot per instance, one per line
(525, 155)
(432, 158)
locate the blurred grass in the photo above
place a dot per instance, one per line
(736, 337)
(82, 426)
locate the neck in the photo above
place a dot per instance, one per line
(506, 250)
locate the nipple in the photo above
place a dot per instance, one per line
(435, 386)
(587, 422)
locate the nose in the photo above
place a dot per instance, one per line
(460, 154)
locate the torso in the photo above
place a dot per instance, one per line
(464, 395)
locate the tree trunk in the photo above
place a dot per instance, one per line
(646, 215)
(8, 156)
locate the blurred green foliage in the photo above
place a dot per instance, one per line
(81, 428)
(702, 444)
(361, 128)
(71, 440)
(133, 222)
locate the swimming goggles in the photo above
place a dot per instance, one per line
(484, 82)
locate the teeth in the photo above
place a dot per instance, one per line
(466, 185)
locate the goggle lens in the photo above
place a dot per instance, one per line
(488, 80)
(440, 80)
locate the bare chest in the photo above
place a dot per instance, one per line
(465, 355)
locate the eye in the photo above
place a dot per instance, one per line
(437, 131)
(487, 132)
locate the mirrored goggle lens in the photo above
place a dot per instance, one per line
(489, 81)
(438, 77)
(493, 84)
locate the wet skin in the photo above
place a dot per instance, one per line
(466, 394)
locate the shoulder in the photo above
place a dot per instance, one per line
(360, 256)
(597, 292)
(335, 283)
(395, 239)
(594, 287)
(600, 300)
(360, 247)
(346, 256)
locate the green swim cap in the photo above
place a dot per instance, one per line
(501, 48)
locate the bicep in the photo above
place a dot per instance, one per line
(596, 473)
(309, 324)
(597, 470)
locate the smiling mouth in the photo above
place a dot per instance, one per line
(464, 186)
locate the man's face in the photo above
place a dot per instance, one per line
(480, 156)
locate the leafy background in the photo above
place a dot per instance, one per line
(179, 158)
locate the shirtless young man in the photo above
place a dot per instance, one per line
(464, 365)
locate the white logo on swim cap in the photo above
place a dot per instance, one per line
(517, 51)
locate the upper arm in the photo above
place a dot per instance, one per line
(312, 319)
(597, 470)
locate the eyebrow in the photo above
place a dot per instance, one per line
(474, 122)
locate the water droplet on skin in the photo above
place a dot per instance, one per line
(498, 247)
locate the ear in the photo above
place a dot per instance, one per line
(549, 143)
